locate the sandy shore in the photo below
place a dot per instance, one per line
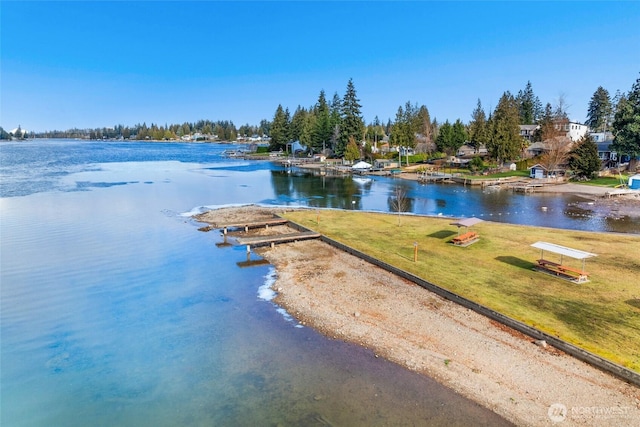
(346, 298)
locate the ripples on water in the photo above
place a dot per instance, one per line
(116, 311)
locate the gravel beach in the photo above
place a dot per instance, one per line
(348, 299)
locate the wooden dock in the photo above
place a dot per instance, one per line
(277, 238)
(251, 224)
(435, 177)
(528, 187)
(621, 192)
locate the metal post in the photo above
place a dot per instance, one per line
(415, 251)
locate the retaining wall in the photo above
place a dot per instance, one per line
(586, 356)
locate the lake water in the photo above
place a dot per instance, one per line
(115, 310)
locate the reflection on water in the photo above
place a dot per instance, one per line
(115, 310)
(376, 193)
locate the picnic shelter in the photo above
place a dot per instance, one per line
(560, 269)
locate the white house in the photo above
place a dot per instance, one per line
(574, 131)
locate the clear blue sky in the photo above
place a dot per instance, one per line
(93, 64)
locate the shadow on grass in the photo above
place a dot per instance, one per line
(634, 302)
(592, 322)
(442, 234)
(409, 258)
(516, 262)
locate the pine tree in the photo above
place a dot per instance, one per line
(425, 124)
(399, 129)
(583, 158)
(459, 135)
(352, 122)
(279, 130)
(478, 127)
(297, 123)
(352, 152)
(529, 106)
(599, 110)
(626, 124)
(307, 131)
(335, 120)
(505, 142)
(444, 140)
(322, 128)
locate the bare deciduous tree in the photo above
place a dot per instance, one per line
(557, 152)
(399, 202)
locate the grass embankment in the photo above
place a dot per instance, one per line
(601, 316)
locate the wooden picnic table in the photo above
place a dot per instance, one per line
(465, 238)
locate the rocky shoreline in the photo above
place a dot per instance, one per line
(348, 299)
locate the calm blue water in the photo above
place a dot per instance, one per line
(115, 310)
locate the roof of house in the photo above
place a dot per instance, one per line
(537, 146)
(538, 165)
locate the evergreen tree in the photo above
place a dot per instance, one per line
(297, 123)
(352, 122)
(478, 127)
(458, 136)
(444, 140)
(322, 129)
(529, 106)
(399, 130)
(583, 158)
(352, 152)
(307, 132)
(626, 124)
(599, 111)
(505, 142)
(264, 128)
(374, 132)
(335, 119)
(279, 130)
(424, 120)
(413, 121)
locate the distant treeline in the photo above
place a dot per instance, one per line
(223, 130)
(332, 126)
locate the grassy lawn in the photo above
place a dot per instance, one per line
(602, 316)
(607, 181)
(524, 174)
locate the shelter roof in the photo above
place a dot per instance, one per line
(361, 165)
(466, 222)
(563, 250)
